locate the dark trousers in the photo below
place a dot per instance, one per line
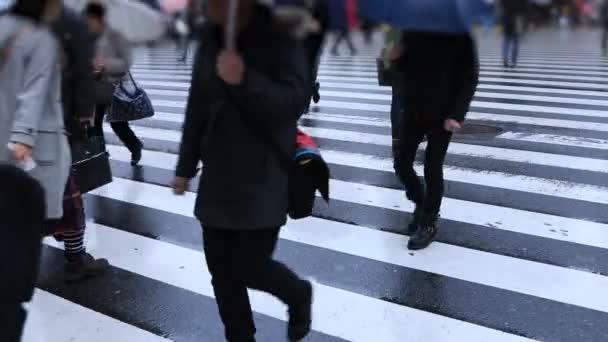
(343, 35)
(12, 320)
(396, 114)
(238, 260)
(411, 135)
(510, 48)
(122, 130)
(605, 39)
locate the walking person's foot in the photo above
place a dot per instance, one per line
(84, 266)
(300, 316)
(505, 63)
(425, 234)
(415, 223)
(136, 155)
(316, 94)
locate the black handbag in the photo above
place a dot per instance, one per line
(128, 106)
(91, 163)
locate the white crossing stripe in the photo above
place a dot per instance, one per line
(54, 319)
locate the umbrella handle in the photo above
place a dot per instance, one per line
(230, 31)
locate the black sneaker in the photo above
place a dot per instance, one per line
(136, 155)
(316, 95)
(425, 234)
(300, 317)
(415, 223)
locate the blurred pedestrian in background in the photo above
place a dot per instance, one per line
(604, 24)
(111, 67)
(512, 16)
(249, 95)
(78, 99)
(342, 20)
(22, 214)
(439, 78)
(32, 136)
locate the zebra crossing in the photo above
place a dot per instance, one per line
(521, 255)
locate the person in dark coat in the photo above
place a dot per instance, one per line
(236, 97)
(439, 78)
(342, 21)
(78, 99)
(513, 12)
(22, 213)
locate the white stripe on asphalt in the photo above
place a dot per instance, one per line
(601, 144)
(337, 309)
(54, 319)
(578, 231)
(334, 309)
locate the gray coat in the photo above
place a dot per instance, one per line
(243, 185)
(30, 107)
(116, 51)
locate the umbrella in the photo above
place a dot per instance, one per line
(135, 20)
(446, 16)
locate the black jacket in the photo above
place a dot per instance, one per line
(243, 185)
(511, 10)
(77, 85)
(22, 212)
(440, 73)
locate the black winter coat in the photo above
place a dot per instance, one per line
(78, 95)
(440, 73)
(243, 185)
(22, 213)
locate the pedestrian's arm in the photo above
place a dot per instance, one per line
(31, 100)
(120, 64)
(190, 147)
(466, 80)
(279, 97)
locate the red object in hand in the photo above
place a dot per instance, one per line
(304, 140)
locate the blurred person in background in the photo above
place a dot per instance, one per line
(22, 215)
(32, 124)
(512, 15)
(250, 96)
(78, 99)
(439, 77)
(342, 19)
(604, 24)
(111, 65)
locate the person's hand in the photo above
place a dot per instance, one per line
(21, 152)
(230, 67)
(180, 185)
(452, 125)
(395, 52)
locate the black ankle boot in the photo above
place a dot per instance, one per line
(300, 316)
(316, 93)
(415, 223)
(426, 232)
(136, 155)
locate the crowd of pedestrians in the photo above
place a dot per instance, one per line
(246, 90)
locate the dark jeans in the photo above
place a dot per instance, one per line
(122, 130)
(510, 48)
(12, 320)
(344, 35)
(411, 135)
(238, 260)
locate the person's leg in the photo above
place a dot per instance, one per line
(349, 41)
(605, 41)
(395, 119)
(128, 137)
(339, 37)
(515, 49)
(438, 141)
(100, 111)
(506, 50)
(229, 286)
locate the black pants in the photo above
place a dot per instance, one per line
(411, 135)
(122, 130)
(605, 39)
(12, 320)
(344, 35)
(239, 260)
